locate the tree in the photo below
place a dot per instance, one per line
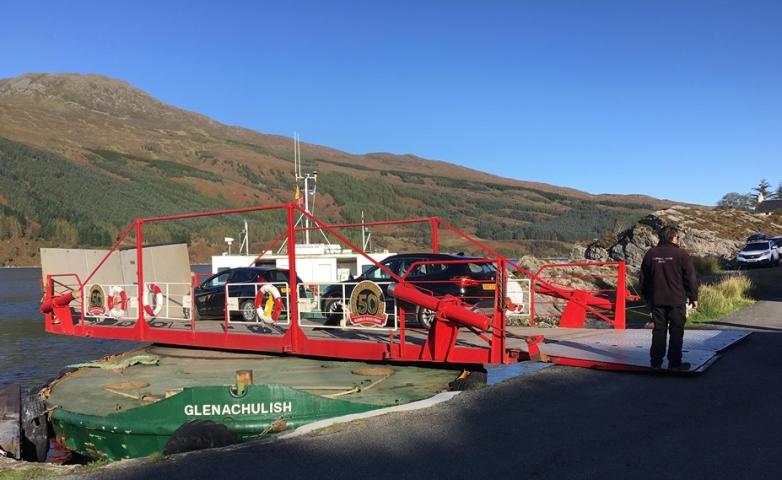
(762, 189)
(737, 200)
(778, 192)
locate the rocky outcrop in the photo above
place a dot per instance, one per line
(705, 232)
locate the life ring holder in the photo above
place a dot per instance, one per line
(268, 311)
(117, 301)
(152, 308)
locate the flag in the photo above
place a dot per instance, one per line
(297, 196)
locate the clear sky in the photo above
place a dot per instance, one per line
(679, 99)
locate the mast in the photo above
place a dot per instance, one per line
(305, 177)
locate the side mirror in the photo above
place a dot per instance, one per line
(351, 278)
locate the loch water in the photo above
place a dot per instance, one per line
(28, 355)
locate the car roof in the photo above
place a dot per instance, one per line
(259, 269)
(443, 256)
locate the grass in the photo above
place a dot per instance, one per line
(95, 465)
(722, 298)
(25, 473)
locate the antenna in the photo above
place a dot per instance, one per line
(245, 239)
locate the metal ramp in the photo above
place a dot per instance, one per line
(617, 349)
(376, 324)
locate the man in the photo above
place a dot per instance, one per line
(667, 282)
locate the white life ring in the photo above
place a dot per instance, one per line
(268, 311)
(514, 300)
(117, 301)
(153, 307)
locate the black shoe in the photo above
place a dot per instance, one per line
(679, 367)
(656, 364)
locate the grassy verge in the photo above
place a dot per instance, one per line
(721, 298)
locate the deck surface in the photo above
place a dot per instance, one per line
(591, 347)
(88, 390)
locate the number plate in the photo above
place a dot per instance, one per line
(489, 286)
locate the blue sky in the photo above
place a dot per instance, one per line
(675, 99)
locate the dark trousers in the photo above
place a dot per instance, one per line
(668, 318)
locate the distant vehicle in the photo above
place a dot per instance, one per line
(467, 278)
(210, 298)
(759, 253)
(757, 236)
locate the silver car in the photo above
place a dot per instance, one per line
(759, 253)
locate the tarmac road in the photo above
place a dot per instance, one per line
(556, 423)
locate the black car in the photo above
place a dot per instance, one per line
(467, 278)
(210, 294)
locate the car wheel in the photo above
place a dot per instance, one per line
(333, 309)
(424, 316)
(249, 314)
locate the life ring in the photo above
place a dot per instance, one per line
(153, 307)
(118, 301)
(268, 311)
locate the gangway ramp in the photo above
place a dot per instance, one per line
(616, 349)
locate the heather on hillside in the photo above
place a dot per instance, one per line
(82, 155)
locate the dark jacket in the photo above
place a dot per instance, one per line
(668, 276)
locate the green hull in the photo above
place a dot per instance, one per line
(132, 404)
(145, 430)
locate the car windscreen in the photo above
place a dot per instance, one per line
(756, 247)
(217, 280)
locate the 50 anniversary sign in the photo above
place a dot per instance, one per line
(367, 305)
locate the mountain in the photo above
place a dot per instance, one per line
(82, 155)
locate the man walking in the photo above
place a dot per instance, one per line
(667, 282)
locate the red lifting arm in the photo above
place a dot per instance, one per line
(448, 307)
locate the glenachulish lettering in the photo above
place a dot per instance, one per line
(236, 409)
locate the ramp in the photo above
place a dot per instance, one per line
(620, 349)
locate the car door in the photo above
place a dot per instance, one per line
(210, 295)
(239, 287)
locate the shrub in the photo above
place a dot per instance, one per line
(722, 298)
(706, 266)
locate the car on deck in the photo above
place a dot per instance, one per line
(470, 279)
(210, 298)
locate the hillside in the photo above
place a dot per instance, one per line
(82, 155)
(705, 232)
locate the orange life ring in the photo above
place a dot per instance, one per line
(269, 310)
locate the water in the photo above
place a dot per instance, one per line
(28, 355)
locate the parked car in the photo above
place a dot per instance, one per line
(210, 298)
(778, 243)
(471, 279)
(758, 253)
(757, 236)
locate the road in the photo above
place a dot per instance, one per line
(556, 423)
